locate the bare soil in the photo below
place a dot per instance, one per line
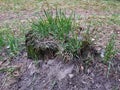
(57, 75)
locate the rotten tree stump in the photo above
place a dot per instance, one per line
(38, 48)
(46, 48)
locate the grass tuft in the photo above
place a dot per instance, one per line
(63, 29)
(110, 50)
(59, 25)
(8, 40)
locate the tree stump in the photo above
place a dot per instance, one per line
(38, 48)
(46, 48)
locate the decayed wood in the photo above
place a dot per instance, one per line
(46, 48)
(38, 48)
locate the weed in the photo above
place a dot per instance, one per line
(2, 43)
(59, 25)
(72, 45)
(110, 50)
(108, 69)
(9, 69)
(13, 44)
(114, 19)
(8, 40)
(3, 36)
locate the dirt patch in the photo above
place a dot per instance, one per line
(56, 75)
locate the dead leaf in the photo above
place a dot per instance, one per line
(16, 73)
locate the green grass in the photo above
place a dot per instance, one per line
(110, 50)
(9, 70)
(114, 19)
(2, 42)
(59, 27)
(62, 28)
(8, 40)
(4, 32)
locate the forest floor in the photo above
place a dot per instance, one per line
(19, 73)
